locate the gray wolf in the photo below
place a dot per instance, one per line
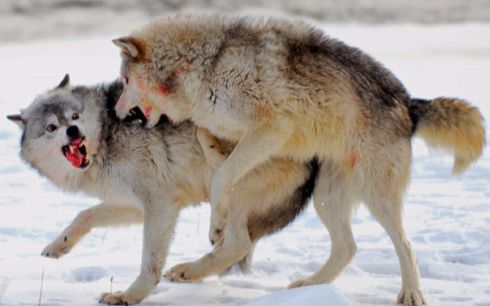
(285, 89)
(72, 136)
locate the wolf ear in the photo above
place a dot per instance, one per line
(130, 47)
(65, 82)
(17, 119)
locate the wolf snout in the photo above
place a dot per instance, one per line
(122, 108)
(73, 132)
(120, 112)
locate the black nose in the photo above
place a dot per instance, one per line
(73, 132)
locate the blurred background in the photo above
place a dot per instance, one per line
(38, 19)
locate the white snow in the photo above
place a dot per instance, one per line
(446, 218)
(311, 295)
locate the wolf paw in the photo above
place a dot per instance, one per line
(410, 297)
(57, 248)
(115, 298)
(301, 283)
(182, 273)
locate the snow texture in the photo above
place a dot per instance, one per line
(446, 218)
(37, 19)
(310, 295)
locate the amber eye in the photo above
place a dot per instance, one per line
(75, 116)
(51, 128)
(126, 80)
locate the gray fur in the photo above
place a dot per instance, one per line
(131, 168)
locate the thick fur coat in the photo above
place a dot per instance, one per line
(72, 136)
(285, 89)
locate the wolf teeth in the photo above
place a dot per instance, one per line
(82, 149)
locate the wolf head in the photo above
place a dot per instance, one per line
(61, 130)
(158, 60)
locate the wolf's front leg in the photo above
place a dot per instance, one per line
(100, 215)
(216, 227)
(235, 246)
(158, 228)
(215, 156)
(211, 148)
(255, 147)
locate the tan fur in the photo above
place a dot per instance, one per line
(284, 89)
(456, 126)
(272, 178)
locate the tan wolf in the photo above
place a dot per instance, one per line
(284, 89)
(72, 136)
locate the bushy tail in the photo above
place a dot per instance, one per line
(450, 124)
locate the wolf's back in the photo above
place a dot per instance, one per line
(450, 124)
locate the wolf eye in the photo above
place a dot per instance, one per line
(126, 80)
(51, 128)
(75, 116)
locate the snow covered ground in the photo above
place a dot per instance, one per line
(447, 218)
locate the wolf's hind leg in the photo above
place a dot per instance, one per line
(100, 215)
(334, 200)
(385, 202)
(383, 195)
(388, 214)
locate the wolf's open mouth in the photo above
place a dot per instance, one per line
(135, 114)
(76, 153)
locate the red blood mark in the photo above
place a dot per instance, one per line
(354, 159)
(163, 89)
(147, 111)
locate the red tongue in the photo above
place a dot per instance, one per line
(75, 158)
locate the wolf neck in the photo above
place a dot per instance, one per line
(107, 96)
